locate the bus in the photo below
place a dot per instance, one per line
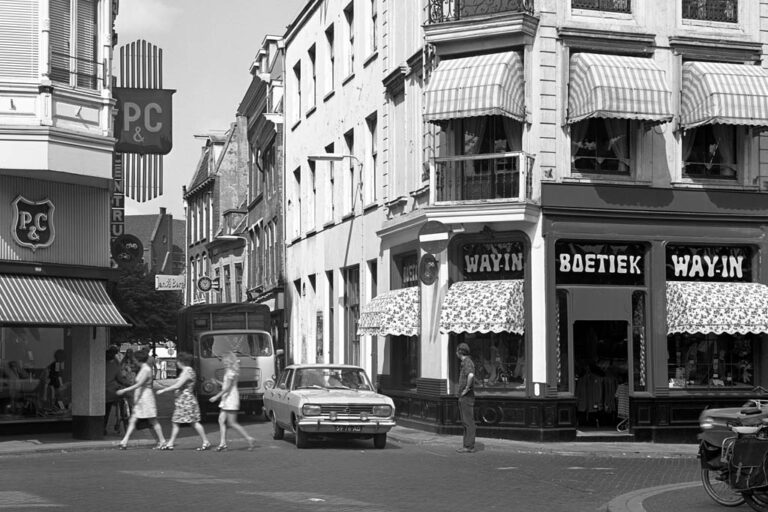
(208, 331)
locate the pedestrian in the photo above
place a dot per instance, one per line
(186, 410)
(113, 381)
(144, 405)
(229, 402)
(466, 394)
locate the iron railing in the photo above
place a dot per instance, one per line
(84, 71)
(711, 10)
(501, 176)
(441, 11)
(603, 5)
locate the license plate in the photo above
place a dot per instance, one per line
(247, 397)
(348, 428)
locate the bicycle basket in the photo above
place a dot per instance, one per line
(747, 464)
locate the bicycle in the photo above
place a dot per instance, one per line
(122, 413)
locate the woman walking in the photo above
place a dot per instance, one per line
(144, 406)
(186, 410)
(230, 402)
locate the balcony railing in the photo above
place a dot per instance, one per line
(441, 11)
(603, 5)
(711, 10)
(500, 176)
(65, 67)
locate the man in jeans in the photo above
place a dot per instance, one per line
(466, 398)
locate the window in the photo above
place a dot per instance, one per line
(349, 180)
(373, 31)
(19, 21)
(561, 360)
(330, 75)
(312, 206)
(74, 47)
(238, 282)
(313, 76)
(499, 360)
(711, 10)
(297, 93)
(349, 15)
(331, 315)
(404, 364)
(296, 204)
(330, 195)
(603, 5)
(352, 313)
(724, 361)
(601, 146)
(369, 180)
(709, 151)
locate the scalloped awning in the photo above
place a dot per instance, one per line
(712, 307)
(619, 87)
(484, 306)
(392, 313)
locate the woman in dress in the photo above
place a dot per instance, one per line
(144, 406)
(230, 402)
(186, 410)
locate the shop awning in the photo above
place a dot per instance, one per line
(483, 85)
(619, 87)
(392, 313)
(709, 307)
(41, 300)
(484, 306)
(717, 93)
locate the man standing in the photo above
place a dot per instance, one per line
(466, 398)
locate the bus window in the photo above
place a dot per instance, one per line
(242, 344)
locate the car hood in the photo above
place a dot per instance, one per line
(325, 396)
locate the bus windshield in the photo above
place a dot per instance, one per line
(253, 344)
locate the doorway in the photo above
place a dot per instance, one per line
(601, 364)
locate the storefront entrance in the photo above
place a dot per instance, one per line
(601, 364)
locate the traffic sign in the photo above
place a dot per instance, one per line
(434, 237)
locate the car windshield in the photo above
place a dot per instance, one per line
(331, 378)
(242, 344)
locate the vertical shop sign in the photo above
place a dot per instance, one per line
(117, 213)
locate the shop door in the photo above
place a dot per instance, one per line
(601, 364)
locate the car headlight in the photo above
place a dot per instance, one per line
(269, 384)
(706, 423)
(382, 410)
(310, 410)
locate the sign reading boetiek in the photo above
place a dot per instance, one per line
(143, 123)
(166, 282)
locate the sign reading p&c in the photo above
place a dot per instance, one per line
(143, 123)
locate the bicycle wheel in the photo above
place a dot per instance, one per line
(758, 500)
(719, 490)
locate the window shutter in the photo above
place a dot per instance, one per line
(86, 43)
(60, 37)
(18, 39)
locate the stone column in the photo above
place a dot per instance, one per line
(89, 345)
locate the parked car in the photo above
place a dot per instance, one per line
(328, 400)
(714, 422)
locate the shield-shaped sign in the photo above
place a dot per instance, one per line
(33, 223)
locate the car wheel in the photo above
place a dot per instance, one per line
(277, 431)
(379, 441)
(301, 438)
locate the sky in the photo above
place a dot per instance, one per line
(208, 47)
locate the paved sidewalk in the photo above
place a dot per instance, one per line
(63, 442)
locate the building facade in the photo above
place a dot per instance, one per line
(162, 238)
(56, 152)
(594, 221)
(261, 110)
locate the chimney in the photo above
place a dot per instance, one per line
(162, 211)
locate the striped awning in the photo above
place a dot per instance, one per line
(41, 300)
(713, 307)
(392, 313)
(484, 306)
(483, 85)
(717, 93)
(619, 87)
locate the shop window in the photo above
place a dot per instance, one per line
(601, 146)
(352, 313)
(404, 351)
(712, 361)
(639, 341)
(499, 360)
(709, 151)
(561, 359)
(603, 5)
(35, 374)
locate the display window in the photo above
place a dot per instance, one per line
(499, 360)
(404, 351)
(35, 374)
(705, 361)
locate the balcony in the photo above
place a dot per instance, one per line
(488, 177)
(441, 11)
(711, 10)
(624, 6)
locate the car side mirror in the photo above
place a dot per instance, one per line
(282, 385)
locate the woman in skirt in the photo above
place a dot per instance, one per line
(186, 409)
(230, 402)
(144, 405)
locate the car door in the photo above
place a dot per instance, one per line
(281, 391)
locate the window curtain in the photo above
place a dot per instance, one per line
(473, 133)
(724, 138)
(60, 40)
(689, 137)
(514, 132)
(578, 132)
(617, 140)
